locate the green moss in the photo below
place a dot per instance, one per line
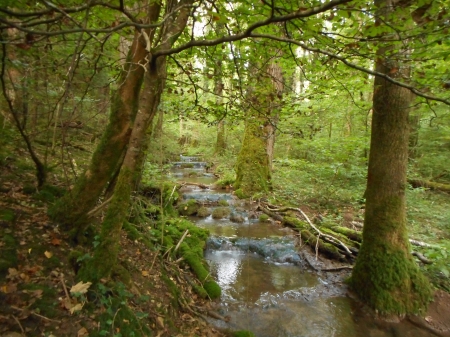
(8, 253)
(174, 291)
(46, 304)
(221, 212)
(243, 333)
(203, 212)
(189, 207)
(187, 165)
(223, 202)
(7, 216)
(49, 193)
(191, 249)
(240, 194)
(252, 167)
(121, 274)
(263, 217)
(389, 281)
(213, 289)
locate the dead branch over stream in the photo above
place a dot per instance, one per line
(333, 241)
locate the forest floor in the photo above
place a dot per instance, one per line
(39, 293)
(41, 297)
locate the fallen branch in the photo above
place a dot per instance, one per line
(422, 244)
(329, 237)
(422, 258)
(429, 184)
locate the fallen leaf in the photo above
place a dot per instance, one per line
(82, 332)
(76, 307)
(80, 287)
(55, 242)
(145, 273)
(428, 319)
(160, 321)
(48, 254)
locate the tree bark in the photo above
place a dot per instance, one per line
(385, 275)
(71, 210)
(105, 254)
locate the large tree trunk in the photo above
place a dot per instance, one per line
(254, 163)
(385, 275)
(71, 210)
(105, 255)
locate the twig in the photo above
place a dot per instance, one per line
(61, 278)
(94, 211)
(20, 325)
(37, 315)
(181, 240)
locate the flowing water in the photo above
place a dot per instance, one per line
(267, 287)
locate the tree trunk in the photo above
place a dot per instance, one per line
(252, 168)
(105, 254)
(254, 163)
(385, 275)
(71, 210)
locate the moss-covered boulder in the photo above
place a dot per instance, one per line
(236, 217)
(203, 212)
(189, 207)
(221, 212)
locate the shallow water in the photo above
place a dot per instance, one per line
(267, 287)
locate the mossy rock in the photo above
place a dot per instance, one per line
(190, 207)
(263, 217)
(221, 212)
(187, 165)
(236, 217)
(223, 202)
(203, 212)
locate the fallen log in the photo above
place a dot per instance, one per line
(325, 248)
(429, 184)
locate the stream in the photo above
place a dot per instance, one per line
(267, 286)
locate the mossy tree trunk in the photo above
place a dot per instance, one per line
(385, 275)
(254, 163)
(71, 210)
(105, 255)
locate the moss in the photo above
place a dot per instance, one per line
(121, 274)
(252, 167)
(8, 256)
(187, 165)
(295, 223)
(174, 291)
(203, 212)
(7, 216)
(223, 202)
(49, 193)
(263, 217)
(189, 207)
(221, 212)
(390, 282)
(213, 289)
(240, 194)
(243, 333)
(46, 304)
(105, 254)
